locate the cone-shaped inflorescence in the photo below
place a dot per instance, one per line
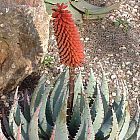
(67, 37)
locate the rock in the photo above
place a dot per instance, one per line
(113, 76)
(24, 33)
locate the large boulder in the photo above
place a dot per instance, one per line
(24, 33)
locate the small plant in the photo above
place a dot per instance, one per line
(48, 61)
(124, 23)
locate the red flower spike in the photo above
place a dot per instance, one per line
(67, 36)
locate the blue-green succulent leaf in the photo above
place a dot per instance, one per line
(26, 111)
(90, 135)
(82, 6)
(59, 103)
(76, 15)
(120, 112)
(93, 107)
(75, 119)
(99, 111)
(125, 126)
(105, 92)
(85, 131)
(33, 125)
(61, 131)
(77, 88)
(115, 128)
(46, 127)
(134, 125)
(24, 127)
(37, 94)
(138, 132)
(49, 114)
(12, 124)
(56, 1)
(17, 115)
(91, 85)
(106, 127)
(58, 90)
(118, 97)
(48, 8)
(82, 101)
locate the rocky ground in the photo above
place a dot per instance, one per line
(113, 42)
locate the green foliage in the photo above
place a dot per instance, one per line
(48, 61)
(124, 23)
(82, 9)
(90, 120)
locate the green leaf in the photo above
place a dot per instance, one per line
(90, 135)
(105, 92)
(48, 8)
(17, 115)
(47, 128)
(76, 15)
(115, 128)
(61, 131)
(118, 97)
(117, 23)
(26, 111)
(106, 127)
(91, 85)
(93, 107)
(49, 114)
(99, 111)
(56, 1)
(82, 6)
(85, 131)
(13, 127)
(138, 132)
(20, 120)
(24, 127)
(37, 94)
(120, 111)
(33, 126)
(12, 124)
(82, 101)
(78, 88)
(134, 124)
(95, 17)
(75, 119)
(60, 103)
(125, 124)
(59, 87)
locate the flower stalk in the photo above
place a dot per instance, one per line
(69, 45)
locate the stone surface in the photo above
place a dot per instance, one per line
(24, 33)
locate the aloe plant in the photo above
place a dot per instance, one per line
(45, 116)
(81, 9)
